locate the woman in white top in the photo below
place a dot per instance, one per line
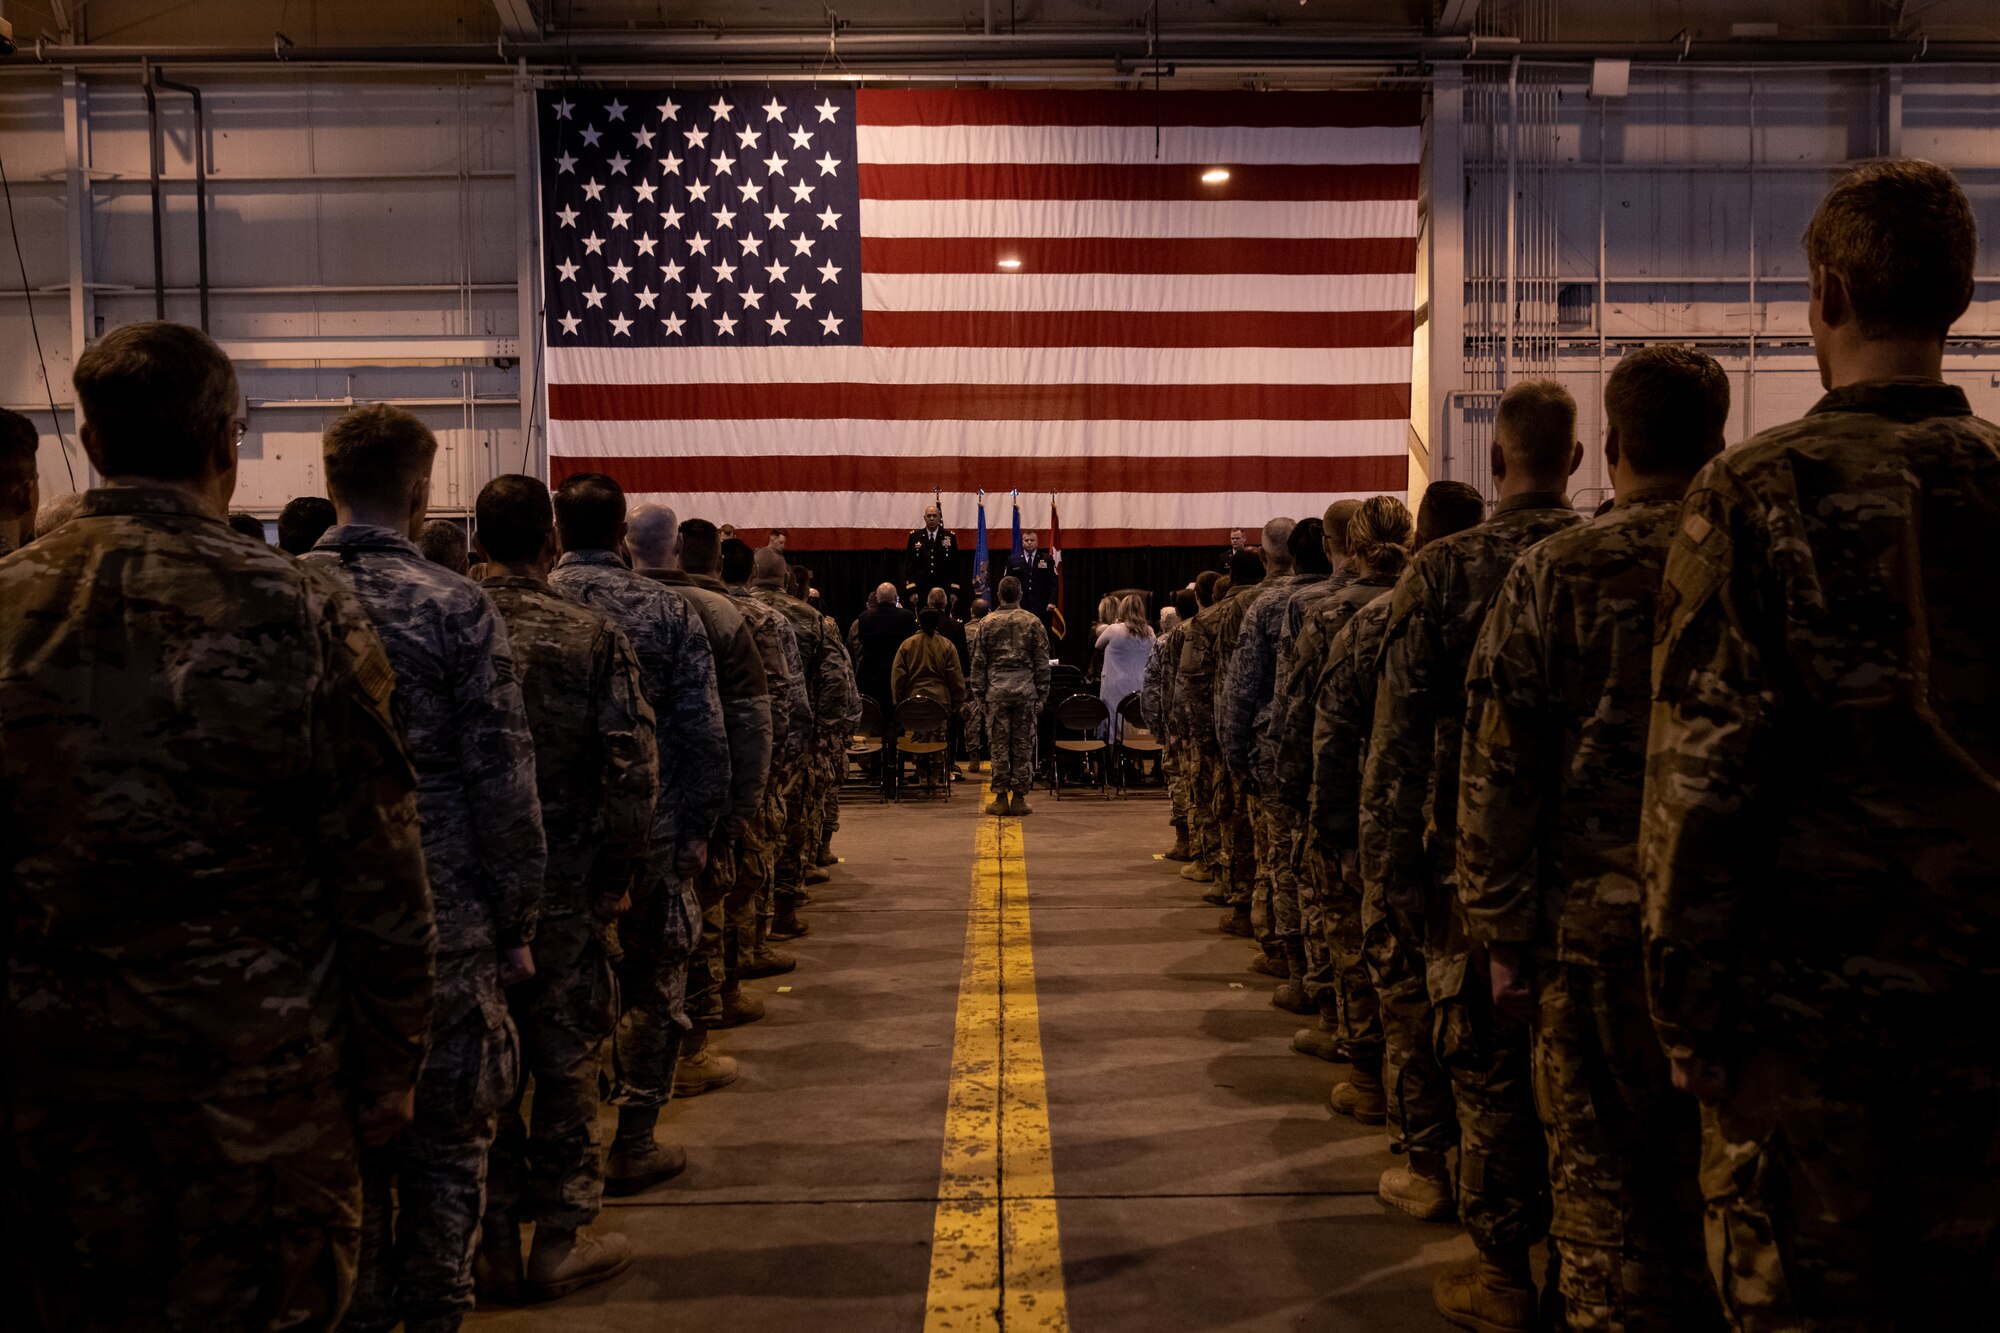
(1126, 644)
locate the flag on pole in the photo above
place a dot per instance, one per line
(1017, 552)
(980, 584)
(1056, 623)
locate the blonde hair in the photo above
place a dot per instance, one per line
(1133, 610)
(1380, 533)
(1107, 610)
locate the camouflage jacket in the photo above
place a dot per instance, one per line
(214, 878)
(741, 685)
(1010, 659)
(1822, 802)
(1244, 710)
(1156, 690)
(1554, 757)
(1343, 717)
(1303, 679)
(1199, 667)
(1409, 790)
(821, 658)
(677, 671)
(458, 698)
(597, 765)
(784, 674)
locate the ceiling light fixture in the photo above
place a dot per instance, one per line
(1010, 263)
(1215, 176)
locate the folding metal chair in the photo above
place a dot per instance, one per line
(1138, 749)
(1082, 723)
(868, 741)
(923, 738)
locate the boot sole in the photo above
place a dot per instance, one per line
(541, 1293)
(784, 935)
(706, 1085)
(1475, 1323)
(1446, 1212)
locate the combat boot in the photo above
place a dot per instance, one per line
(1196, 872)
(563, 1262)
(826, 858)
(1290, 996)
(1266, 966)
(1321, 1041)
(702, 1070)
(738, 1009)
(816, 875)
(1179, 851)
(496, 1265)
(1217, 896)
(787, 926)
(1491, 1294)
(1421, 1187)
(1017, 805)
(996, 806)
(1237, 923)
(1361, 1097)
(634, 1165)
(769, 962)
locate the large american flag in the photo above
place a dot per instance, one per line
(801, 308)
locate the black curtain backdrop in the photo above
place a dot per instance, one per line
(847, 578)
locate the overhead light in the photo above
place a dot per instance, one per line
(1215, 175)
(1010, 263)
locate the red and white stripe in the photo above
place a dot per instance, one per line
(1174, 358)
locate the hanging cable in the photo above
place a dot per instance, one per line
(28, 297)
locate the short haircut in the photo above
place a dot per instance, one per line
(378, 453)
(979, 607)
(1204, 587)
(515, 517)
(248, 524)
(928, 618)
(443, 543)
(1448, 507)
(700, 546)
(1901, 235)
(1308, 547)
(1010, 590)
(1380, 533)
(590, 510)
(1338, 515)
(19, 443)
(738, 558)
(157, 397)
(938, 597)
(1536, 428)
(302, 521)
(769, 568)
(1222, 587)
(1277, 533)
(649, 536)
(1186, 604)
(1669, 405)
(1246, 566)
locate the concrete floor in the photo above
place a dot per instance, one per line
(1201, 1183)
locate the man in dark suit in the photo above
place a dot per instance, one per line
(878, 632)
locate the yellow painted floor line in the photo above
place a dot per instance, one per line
(996, 1252)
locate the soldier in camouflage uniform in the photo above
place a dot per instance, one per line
(1235, 816)
(1157, 706)
(1273, 896)
(683, 557)
(1409, 813)
(20, 485)
(1548, 856)
(1010, 679)
(1195, 777)
(1822, 804)
(597, 773)
(653, 1054)
(219, 940)
(459, 701)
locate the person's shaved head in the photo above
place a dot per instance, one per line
(769, 570)
(1338, 515)
(1534, 435)
(649, 536)
(885, 594)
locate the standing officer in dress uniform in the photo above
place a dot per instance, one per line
(930, 560)
(1036, 569)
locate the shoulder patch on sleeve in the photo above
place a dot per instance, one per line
(376, 677)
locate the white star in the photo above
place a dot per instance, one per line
(724, 164)
(725, 271)
(802, 299)
(777, 270)
(646, 298)
(802, 138)
(616, 111)
(695, 138)
(698, 298)
(828, 164)
(669, 109)
(621, 271)
(776, 165)
(776, 218)
(748, 138)
(563, 109)
(671, 272)
(594, 297)
(591, 189)
(618, 164)
(698, 245)
(725, 217)
(619, 217)
(720, 106)
(643, 139)
(590, 136)
(567, 217)
(593, 244)
(674, 324)
(752, 245)
(828, 219)
(565, 164)
(802, 192)
(726, 325)
(670, 163)
(568, 271)
(829, 272)
(644, 245)
(621, 325)
(802, 245)
(753, 299)
(645, 190)
(774, 109)
(827, 110)
(831, 324)
(569, 323)
(698, 191)
(778, 325)
(751, 191)
(671, 218)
